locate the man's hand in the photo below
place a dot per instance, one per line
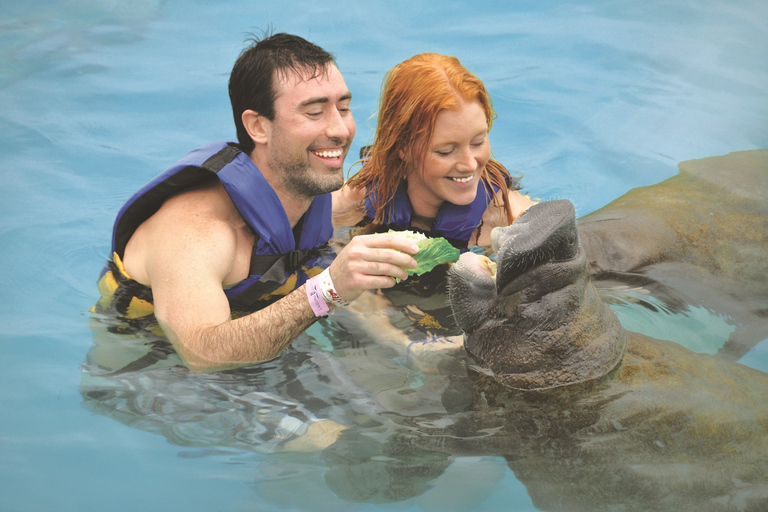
(371, 261)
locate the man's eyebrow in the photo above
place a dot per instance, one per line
(323, 99)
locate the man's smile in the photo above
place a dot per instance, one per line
(328, 153)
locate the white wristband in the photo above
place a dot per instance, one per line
(329, 291)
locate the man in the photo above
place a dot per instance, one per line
(232, 221)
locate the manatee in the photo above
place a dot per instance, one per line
(588, 415)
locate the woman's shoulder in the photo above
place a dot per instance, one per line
(519, 202)
(496, 215)
(348, 206)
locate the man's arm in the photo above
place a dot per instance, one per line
(192, 253)
(207, 346)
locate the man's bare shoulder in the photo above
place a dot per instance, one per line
(199, 206)
(194, 224)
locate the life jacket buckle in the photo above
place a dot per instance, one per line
(293, 261)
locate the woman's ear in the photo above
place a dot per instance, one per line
(407, 158)
(257, 126)
(405, 162)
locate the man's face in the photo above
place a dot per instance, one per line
(311, 133)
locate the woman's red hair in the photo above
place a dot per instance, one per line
(413, 93)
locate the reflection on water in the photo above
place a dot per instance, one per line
(377, 376)
(359, 411)
(693, 327)
(34, 43)
(352, 369)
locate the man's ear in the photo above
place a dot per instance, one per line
(257, 126)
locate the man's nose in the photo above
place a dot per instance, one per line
(340, 126)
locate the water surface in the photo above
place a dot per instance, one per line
(594, 98)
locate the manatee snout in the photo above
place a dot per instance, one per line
(545, 233)
(540, 323)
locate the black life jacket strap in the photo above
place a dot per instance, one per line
(273, 268)
(266, 264)
(216, 162)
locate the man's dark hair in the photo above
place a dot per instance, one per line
(252, 82)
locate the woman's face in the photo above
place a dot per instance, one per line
(454, 158)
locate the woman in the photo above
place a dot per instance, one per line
(430, 166)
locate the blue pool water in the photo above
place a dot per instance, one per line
(594, 98)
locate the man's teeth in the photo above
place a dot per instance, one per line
(328, 153)
(462, 180)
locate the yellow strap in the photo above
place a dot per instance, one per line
(119, 264)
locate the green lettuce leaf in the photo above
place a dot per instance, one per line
(432, 251)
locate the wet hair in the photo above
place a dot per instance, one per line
(413, 93)
(258, 68)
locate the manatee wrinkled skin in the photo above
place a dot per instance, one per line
(590, 416)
